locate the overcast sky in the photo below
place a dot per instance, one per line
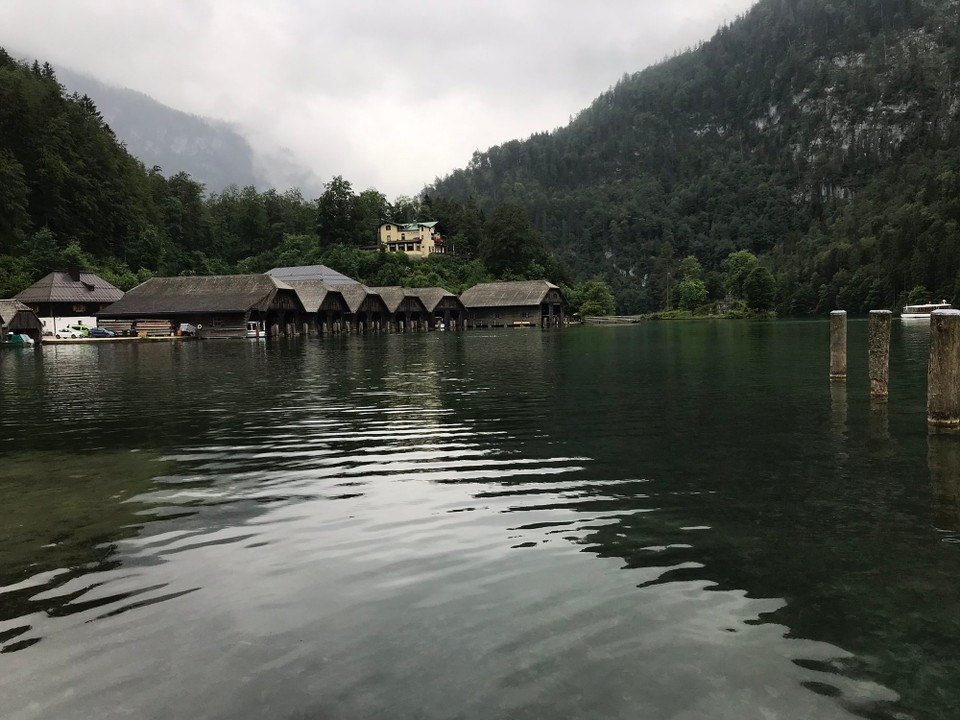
(389, 94)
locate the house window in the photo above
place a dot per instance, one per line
(79, 308)
(389, 228)
(388, 238)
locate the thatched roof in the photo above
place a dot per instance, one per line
(78, 287)
(313, 293)
(355, 294)
(432, 296)
(507, 294)
(14, 315)
(198, 294)
(311, 272)
(394, 295)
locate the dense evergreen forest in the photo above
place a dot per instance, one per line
(70, 193)
(822, 136)
(805, 158)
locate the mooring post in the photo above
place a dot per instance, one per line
(943, 457)
(838, 345)
(943, 375)
(879, 350)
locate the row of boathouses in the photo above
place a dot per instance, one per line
(309, 300)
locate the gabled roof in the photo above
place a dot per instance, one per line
(507, 294)
(431, 297)
(15, 315)
(394, 296)
(311, 272)
(198, 294)
(9, 308)
(412, 227)
(313, 293)
(355, 294)
(59, 286)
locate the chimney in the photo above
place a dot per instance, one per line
(74, 271)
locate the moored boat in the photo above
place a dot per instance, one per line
(922, 311)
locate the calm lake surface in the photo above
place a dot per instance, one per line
(669, 520)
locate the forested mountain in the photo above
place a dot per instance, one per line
(71, 193)
(211, 151)
(821, 135)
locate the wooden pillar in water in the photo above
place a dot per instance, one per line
(878, 343)
(943, 374)
(838, 345)
(943, 456)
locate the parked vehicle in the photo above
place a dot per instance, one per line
(68, 334)
(100, 333)
(80, 328)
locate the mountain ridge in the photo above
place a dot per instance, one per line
(212, 151)
(771, 137)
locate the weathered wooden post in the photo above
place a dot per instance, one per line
(838, 345)
(943, 374)
(878, 342)
(838, 409)
(943, 458)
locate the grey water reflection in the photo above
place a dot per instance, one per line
(676, 520)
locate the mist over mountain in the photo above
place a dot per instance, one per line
(213, 152)
(820, 135)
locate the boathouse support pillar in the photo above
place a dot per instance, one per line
(943, 373)
(878, 342)
(838, 345)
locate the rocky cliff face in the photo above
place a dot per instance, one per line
(780, 135)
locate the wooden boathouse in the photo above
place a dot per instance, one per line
(407, 312)
(19, 319)
(525, 303)
(366, 309)
(326, 308)
(443, 307)
(64, 297)
(220, 306)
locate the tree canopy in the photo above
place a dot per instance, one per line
(820, 136)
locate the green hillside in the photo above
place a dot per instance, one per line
(71, 193)
(820, 135)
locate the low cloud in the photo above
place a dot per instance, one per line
(389, 95)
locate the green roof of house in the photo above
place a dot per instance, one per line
(414, 226)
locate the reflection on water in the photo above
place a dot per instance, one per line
(674, 521)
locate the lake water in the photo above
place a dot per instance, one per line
(669, 520)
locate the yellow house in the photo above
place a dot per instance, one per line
(418, 239)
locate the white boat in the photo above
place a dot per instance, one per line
(256, 329)
(922, 312)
